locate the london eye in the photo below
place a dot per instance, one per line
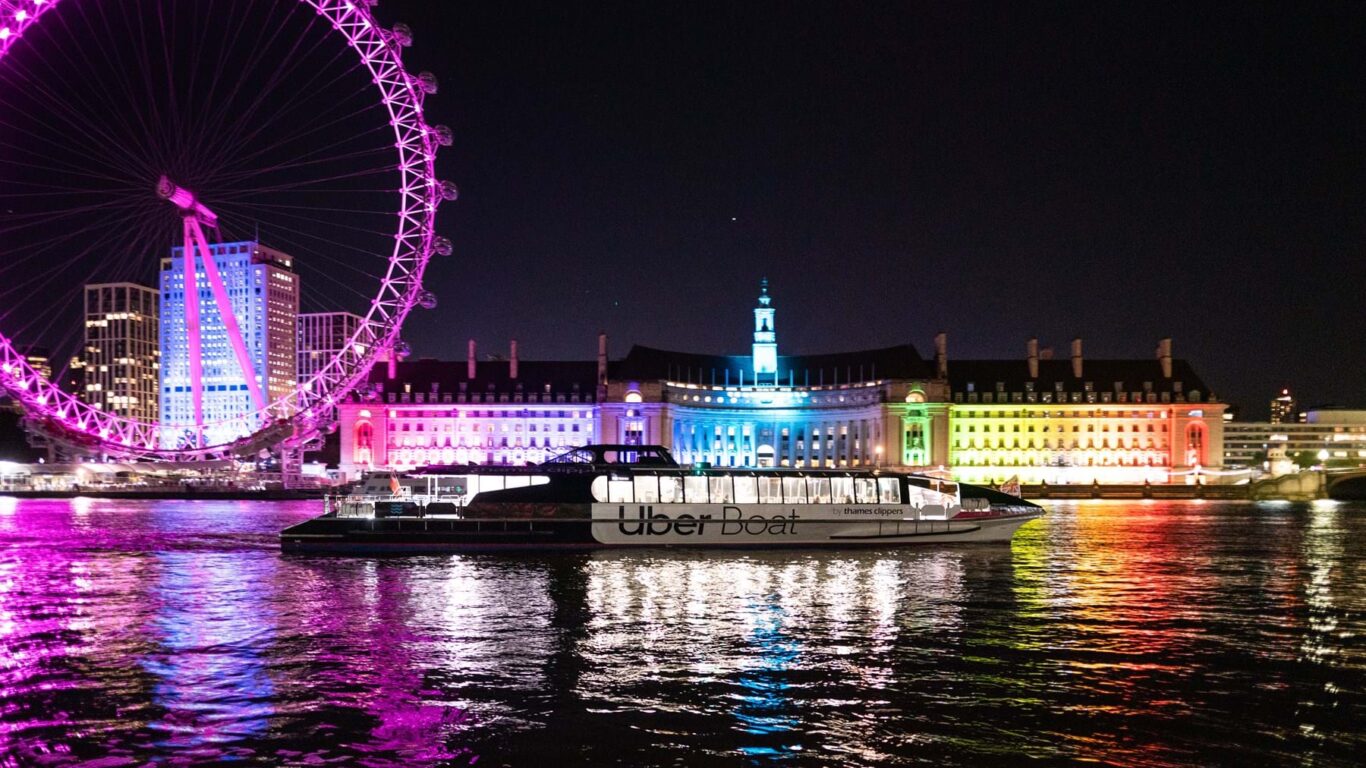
(181, 183)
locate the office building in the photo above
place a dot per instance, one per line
(263, 292)
(120, 361)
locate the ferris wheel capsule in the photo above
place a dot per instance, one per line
(426, 300)
(402, 349)
(442, 246)
(402, 34)
(449, 192)
(443, 135)
(426, 82)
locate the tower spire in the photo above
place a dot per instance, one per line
(765, 335)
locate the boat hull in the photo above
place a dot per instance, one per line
(733, 530)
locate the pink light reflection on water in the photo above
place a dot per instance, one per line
(176, 631)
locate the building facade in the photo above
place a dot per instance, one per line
(322, 337)
(1328, 435)
(503, 412)
(1283, 408)
(120, 361)
(1040, 420)
(263, 292)
(1034, 420)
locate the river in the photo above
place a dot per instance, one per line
(1124, 633)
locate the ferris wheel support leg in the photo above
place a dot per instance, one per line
(192, 335)
(234, 331)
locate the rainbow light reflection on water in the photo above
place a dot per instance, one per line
(1136, 634)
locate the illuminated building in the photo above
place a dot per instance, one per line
(1035, 419)
(482, 412)
(1327, 435)
(40, 358)
(323, 336)
(120, 360)
(1283, 408)
(263, 291)
(1082, 421)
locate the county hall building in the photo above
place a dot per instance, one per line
(1035, 419)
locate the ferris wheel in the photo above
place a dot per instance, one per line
(180, 181)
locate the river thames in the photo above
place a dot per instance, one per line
(1124, 633)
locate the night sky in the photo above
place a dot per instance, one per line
(897, 169)
(995, 172)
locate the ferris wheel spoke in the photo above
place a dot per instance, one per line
(117, 105)
(298, 117)
(262, 212)
(303, 137)
(249, 116)
(115, 242)
(77, 234)
(96, 133)
(289, 114)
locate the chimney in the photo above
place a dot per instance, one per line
(393, 364)
(1076, 357)
(512, 365)
(469, 362)
(1032, 357)
(1164, 356)
(941, 355)
(602, 359)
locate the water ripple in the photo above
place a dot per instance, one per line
(1156, 634)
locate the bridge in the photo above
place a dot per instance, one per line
(1340, 484)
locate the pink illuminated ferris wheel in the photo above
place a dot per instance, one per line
(215, 216)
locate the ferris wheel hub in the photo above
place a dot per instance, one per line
(185, 200)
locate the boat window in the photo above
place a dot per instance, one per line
(920, 496)
(746, 490)
(770, 490)
(720, 489)
(889, 490)
(647, 489)
(671, 489)
(695, 489)
(842, 490)
(620, 489)
(865, 489)
(794, 490)
(818, 489)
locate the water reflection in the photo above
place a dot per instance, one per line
(213, 624)
(1135, 634)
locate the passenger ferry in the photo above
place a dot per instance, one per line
(605, 496)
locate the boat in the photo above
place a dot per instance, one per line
(611, 496)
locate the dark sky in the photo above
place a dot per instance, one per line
(897, 169)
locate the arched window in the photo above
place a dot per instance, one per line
(365, 436)
(1195, 444)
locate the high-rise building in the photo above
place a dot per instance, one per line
(39, 358)
(323, 336)
(1283, 408)
(120, 359)
(263, 292)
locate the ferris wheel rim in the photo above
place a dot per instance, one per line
(311, 402)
